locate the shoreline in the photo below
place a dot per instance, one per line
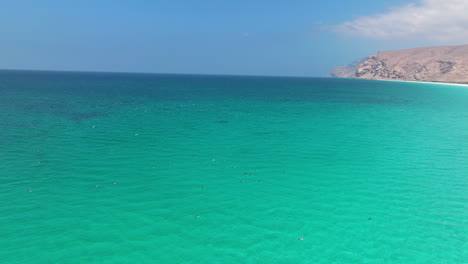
(422, 82)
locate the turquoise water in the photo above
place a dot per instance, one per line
(139, 168)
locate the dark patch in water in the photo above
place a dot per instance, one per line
(286, 100)
(84, 116)
(222, 122)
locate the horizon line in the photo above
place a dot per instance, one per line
(163, 73)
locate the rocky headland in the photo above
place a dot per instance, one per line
(429, 64)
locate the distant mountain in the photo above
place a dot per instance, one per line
(348, 71)
(438, 64)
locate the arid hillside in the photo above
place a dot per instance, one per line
(441, 64)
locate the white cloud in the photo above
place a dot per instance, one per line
(436, 20)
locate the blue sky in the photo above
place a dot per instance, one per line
(295, 38)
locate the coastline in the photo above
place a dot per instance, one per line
(422, 82)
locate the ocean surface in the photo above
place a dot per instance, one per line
(147, 168)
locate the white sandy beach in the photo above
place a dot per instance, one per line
(443, 83)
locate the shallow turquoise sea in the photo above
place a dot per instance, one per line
(141, 168)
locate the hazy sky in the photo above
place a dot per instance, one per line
(291, 37)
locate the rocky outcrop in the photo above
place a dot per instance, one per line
(440, 64)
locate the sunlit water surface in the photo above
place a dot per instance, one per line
(139, 168)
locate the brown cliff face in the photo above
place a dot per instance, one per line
(441, 64)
